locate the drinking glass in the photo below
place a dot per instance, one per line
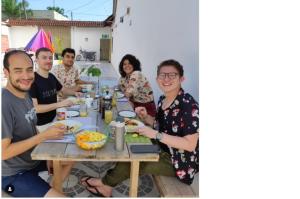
(108, 116)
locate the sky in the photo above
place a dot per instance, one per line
(84, 10)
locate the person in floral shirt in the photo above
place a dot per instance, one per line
(177, 124)
(67, 73)
(135, 85)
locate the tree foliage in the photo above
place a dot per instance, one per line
(57, 9)
(15, 9)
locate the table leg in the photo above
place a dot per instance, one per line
(57, 180)
(134, 178)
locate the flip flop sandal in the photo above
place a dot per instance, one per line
(86, 181)
(90, 186)
(98, 194)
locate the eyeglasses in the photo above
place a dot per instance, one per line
(169, 75)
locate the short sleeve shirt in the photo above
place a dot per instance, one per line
(66, 78)
(45, 91)
(18, 123)
(138, 86)
(181, 118)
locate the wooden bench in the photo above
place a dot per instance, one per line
(172, 187)
(5, 195)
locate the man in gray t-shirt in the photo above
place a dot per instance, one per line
(19, 135)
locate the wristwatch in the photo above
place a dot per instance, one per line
(159, 136)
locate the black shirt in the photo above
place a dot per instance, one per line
(181, 118)
(45, 91)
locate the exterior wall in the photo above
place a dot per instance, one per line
(21, 35)
(157, 30)
(61, 36)
(47, 14)
(93, 35)
(4, 38)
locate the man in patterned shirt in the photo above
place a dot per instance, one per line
(67, 73)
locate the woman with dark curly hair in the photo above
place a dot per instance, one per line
(135, 85)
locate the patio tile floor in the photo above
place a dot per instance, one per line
(72, 187)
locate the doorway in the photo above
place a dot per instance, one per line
(105, 50)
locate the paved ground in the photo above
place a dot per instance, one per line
(72, 187)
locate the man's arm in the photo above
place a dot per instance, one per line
(188, 142)
(10, 150)
(43, 108)
(79, 81)
(68, 91)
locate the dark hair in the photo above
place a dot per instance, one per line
(41, 50)
(68, 50)
(171, 62)
(133, 61)
(13, 52)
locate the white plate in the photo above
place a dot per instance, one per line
(72, 113)
(129, 114)
(75, 107)
(70, 123)
(119, 95)
(132, 128)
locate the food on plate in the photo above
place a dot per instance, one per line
(130, 122)
(59, 125)
(90, 139)
(135, 135)
(77, 100)
(131, 125)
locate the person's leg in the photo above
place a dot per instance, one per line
(66, 169)
(163, 167)
(53, 193)
(121, 172)
(28, 184)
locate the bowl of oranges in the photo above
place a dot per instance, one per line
(90, 140)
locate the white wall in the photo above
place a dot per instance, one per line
(19, 36)
(78, 35)
(159, 30)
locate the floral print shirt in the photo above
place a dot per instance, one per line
(181, 118)
(138, 86)
(66, 78)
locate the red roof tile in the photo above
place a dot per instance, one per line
(49, 22)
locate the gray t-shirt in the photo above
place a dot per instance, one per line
(18, 123)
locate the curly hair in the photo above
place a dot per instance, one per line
(133, 61)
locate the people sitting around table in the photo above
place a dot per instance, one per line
(45, 88)
(176, 129)
(135, 85)
(67, 73)
(19, 133)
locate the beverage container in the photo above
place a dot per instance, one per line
(108, 116)
(100, 104)
(113, 101)
(61, 113)
(106, 103)
(83, 110)
(119, 136)
(88, 102)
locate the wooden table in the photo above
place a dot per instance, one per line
(71, 152)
